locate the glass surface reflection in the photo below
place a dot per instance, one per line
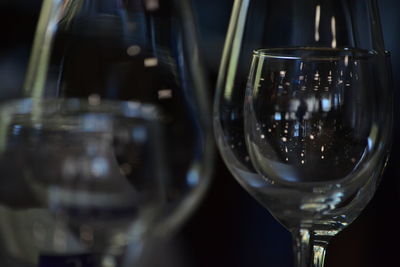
(300, 121)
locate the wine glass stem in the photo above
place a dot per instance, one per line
(309, 249)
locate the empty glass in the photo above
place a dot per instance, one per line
(303, 112)
(136, 50)
(80, 180)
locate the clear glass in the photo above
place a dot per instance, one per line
(303, 112)
(136, 50)
(80, 180)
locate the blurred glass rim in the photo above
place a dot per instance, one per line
(68, 106)
(314, 53)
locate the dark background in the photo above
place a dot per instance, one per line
(230, 228)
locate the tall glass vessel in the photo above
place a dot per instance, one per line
(303, 112)
(133, 51)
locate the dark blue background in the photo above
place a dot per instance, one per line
(230, 228)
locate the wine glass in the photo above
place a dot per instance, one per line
(316, 132)
(80, 180)
(136, 50)
(310, 136)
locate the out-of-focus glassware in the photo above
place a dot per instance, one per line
(80, 180)
(137, 50)
(311, 135)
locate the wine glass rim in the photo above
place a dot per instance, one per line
(314, 53)
(129, 109)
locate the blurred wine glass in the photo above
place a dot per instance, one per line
(136, 50)
(80, 180)
(310, 136)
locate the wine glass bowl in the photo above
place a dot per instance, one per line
(315, 133)
(79, 178)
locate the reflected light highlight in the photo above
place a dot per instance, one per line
(333, 28)
(317, 21)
